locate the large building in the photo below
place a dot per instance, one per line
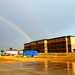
(59, 44)
(40, 46)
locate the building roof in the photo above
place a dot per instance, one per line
(62, 37)
(12, 50)
(50, 39)
(36, 41)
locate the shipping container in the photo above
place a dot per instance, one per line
(30, 52)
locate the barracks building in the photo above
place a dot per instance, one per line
(57, 45)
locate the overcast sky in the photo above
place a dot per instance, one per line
(22, 21)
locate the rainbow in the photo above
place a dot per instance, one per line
(15, 26)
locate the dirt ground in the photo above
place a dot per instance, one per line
(23, 59)
(18, 59)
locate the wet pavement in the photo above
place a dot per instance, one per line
(44, 67)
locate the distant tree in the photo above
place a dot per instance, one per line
(21, 50)
(2, 51)
(10, 48)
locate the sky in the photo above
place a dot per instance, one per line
(23, 21)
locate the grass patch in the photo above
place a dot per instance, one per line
(46, 54)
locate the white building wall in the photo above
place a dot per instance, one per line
(72, 43)
(12, 52)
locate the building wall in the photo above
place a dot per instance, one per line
(73, 44)
(68, 44)
(27, 46)
(41, 46)
(45, 46)
(34, 45)
(12, 52)
(57, 45)
(60, 44)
